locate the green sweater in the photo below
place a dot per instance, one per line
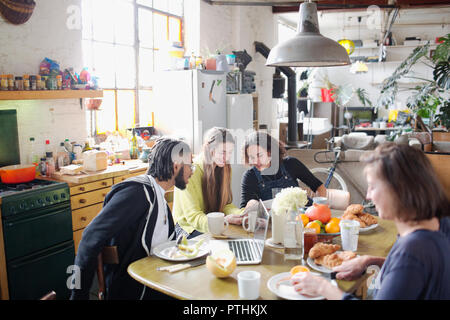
(188, 205)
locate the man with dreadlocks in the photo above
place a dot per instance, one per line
(134, 219)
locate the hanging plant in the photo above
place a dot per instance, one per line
(17, 11)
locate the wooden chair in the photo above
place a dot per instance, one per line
(49, 296)
(109, 255)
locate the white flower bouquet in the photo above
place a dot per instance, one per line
(287, 198)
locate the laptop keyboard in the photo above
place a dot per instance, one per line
(244, 250)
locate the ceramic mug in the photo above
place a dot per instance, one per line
(250, 221)
(216, 223)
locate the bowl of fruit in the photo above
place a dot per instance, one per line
(318, 217)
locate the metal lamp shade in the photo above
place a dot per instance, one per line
(308, 48)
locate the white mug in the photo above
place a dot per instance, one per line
(216, 221)
(250, 220)
(248, 284)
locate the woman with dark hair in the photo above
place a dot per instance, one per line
(404, 188)
(271, 169)
(209, 188)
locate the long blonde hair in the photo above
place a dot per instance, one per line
(216, 181)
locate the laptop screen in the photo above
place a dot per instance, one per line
(261, 226)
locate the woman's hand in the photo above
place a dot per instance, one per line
(234, 219)
(351, 269)
(308, 284)
(354, 268)
(252, 205)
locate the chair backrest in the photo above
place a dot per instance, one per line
(108, 255)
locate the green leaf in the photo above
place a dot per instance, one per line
(441, 74)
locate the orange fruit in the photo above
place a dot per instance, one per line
(221, 263)
(314, 225)
(336, 220)
(298, 269)
(304, 218)
(332, 227)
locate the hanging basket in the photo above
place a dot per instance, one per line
(17, 11)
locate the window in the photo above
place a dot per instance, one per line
(124, 42)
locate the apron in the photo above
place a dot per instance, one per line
(265, 187)
(285, 181)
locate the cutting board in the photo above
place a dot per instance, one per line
(110, 172)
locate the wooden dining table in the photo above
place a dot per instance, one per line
(199, 283)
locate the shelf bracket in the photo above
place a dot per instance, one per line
(81, 103)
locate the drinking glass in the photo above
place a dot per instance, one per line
(310, 238)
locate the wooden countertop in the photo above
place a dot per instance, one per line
(130, 166)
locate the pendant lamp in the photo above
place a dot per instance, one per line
(308, 48)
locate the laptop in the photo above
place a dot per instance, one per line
(250, 250)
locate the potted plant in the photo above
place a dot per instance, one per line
(428, 97)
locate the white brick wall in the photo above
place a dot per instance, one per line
(23, 47)
(235, 28)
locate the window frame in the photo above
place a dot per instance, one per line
(137, 47)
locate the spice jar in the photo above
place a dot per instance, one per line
(44, 80)
(33, 84)
(38, 82)
(51, 83)
(18, 83)
(11, 82)
(59, 82)
(26, 82)
(3, 82)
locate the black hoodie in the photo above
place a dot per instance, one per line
(120, 223)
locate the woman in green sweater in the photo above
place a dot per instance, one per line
(209, 188)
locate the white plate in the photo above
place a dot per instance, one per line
(270, 243)
(371, 227)
(319, 268)
(286, 291)
(163, 251)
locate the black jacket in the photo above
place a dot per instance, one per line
(120, 223)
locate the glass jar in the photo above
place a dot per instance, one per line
(33, 83)
(44, 80)
(310, 238)
(10, 82)
(26, 82)
(59, 82)
(293, 236)
(3, 82)
(18, 83)
(51, 83)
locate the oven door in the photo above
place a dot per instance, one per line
(33, 276)
(37, 230)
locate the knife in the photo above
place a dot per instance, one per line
(182, 266)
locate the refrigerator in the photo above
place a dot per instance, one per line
(240, 122)
(189, 102)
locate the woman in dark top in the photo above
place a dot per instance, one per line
(271, 169)
(404, 188)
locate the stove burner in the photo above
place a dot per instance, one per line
(6, 189)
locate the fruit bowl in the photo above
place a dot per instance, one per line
(327, 237)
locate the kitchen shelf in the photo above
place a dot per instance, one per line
(50, 94)
(432, 45)
(403, 84)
